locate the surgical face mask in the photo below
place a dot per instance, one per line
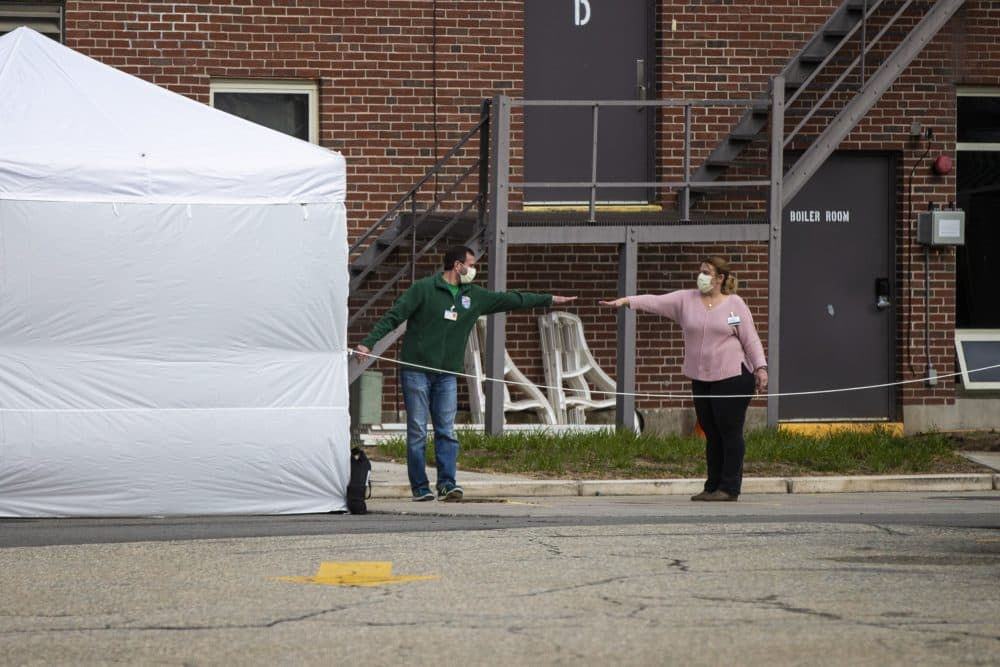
(704, 283)
(468, 276)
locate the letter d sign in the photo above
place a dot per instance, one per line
(581, 18)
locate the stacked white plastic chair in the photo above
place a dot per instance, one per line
(576, 383)
(535, 399)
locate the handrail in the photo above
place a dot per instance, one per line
(833, 52)
(484, 118)
(830, 90)
(416, 255)
(417, 220)
(374, 256)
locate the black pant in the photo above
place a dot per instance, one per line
(722, 420)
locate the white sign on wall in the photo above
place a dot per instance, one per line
(812, 215)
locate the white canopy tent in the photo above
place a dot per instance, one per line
(173, 301)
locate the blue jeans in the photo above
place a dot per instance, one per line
(436, 395)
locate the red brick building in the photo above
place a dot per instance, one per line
(394, 84)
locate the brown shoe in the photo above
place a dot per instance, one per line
(720, 495)
(701, 496)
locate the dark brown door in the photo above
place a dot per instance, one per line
(837, 299)
(588, 50)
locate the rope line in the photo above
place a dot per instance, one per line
(815, 392)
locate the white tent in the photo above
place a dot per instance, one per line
(173, 301)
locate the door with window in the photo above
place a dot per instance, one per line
(837, 296)
(588, 50)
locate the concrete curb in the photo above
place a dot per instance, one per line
(969, 482)
(654, 487)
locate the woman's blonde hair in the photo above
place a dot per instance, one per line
(721, 266)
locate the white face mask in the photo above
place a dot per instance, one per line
(704, 283)
(468, 276)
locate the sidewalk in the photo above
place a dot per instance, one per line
(389, 480)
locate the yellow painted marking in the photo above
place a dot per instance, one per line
(823, 428)
(355, 573)
(988, 539)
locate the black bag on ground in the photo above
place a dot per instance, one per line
(360, 485)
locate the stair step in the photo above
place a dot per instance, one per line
(812, 59)
(750, 126)
(435, 222)
(363, 294)
(743, 136)
(718, 163)
(794, 83)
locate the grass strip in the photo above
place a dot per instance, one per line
(613, 454)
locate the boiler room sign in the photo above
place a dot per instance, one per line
(812, 215)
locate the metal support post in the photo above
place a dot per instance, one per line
(628, 262)
(774, 213)
(592, 215)
(685, 194)
(497, 248)
(484, 163)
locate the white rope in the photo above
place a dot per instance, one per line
(669, 396)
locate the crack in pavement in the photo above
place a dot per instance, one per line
(551, 548)
(888, 531)
(919, 626)
(589, 584)
(182, 628)
(679, 564)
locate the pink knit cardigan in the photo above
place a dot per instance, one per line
(714, 346)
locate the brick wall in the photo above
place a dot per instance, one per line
(399, 84)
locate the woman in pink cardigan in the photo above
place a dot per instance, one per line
(723, 356)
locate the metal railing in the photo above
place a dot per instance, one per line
(408, 203)
(685, 185)
(866, 46)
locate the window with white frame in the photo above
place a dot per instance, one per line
(978, 194)
(43, 17)
(979, 358)
(291, 107)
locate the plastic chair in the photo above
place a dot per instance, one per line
(570, 370)
(536, 400)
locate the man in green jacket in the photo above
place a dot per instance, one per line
(440, 312)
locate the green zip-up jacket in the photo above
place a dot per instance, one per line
(433, 340)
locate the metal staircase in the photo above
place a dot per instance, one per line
(407, 232)
(829, 87)
(820, 76)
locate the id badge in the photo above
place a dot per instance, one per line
(733, 320)
(451, 314)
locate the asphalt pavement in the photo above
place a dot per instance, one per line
(562, 572)
(775, 579)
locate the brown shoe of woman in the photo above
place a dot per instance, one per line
(720, 495)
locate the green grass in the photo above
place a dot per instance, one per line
(609, 454)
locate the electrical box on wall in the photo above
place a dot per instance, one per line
(941, 227)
